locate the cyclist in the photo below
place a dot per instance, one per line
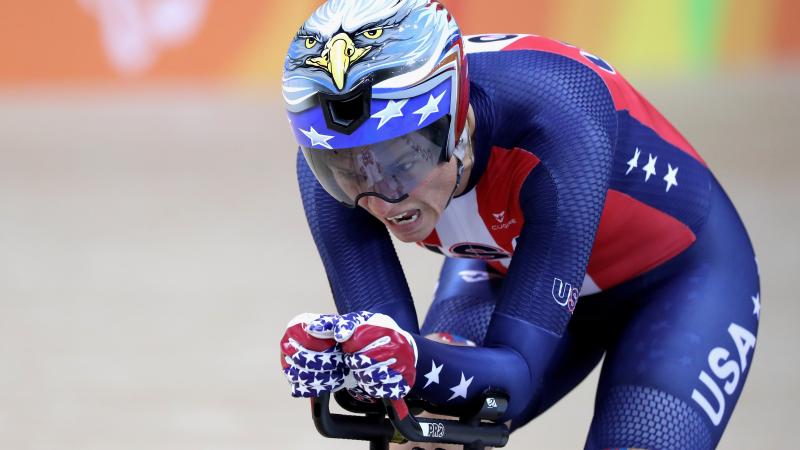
(542, 176)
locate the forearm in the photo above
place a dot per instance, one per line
(512, 362)
(360, 261)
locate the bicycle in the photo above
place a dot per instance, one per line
(397, 421)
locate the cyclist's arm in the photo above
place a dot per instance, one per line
(365, 275)
(562, 200)
(574, 135)
(360, 261)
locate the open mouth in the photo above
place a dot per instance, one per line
(405, 218)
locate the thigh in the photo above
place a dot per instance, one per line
(676, 370)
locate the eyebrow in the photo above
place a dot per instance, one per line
(306, 33)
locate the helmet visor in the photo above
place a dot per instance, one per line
(389, 169)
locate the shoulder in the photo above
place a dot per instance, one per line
(533, 68)
(534, 83)
(511, 45)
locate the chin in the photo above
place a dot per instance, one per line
(410, 238)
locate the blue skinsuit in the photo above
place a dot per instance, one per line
(677, 325)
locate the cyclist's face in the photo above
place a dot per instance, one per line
(413, 219)
(393, 170)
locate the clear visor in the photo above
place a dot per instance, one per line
(389, 170)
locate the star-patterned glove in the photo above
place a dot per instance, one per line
(381, 356)
(311, 359)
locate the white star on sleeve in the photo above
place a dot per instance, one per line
(671, 177)
(393, 109)
(430, 108)
(316, 138)
(461, 389)
(634, 162)
(433, 375)
(650, 168)
(757, 305)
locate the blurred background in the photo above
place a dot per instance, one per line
(153, 246)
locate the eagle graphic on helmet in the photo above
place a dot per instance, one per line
(346, 40)
(371, 73)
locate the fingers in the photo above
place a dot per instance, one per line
(346, 325)
(380, 345)
(297, 337)
(310, 372)
(320, 351)
(312, 361)
(381, 356)
(305, 359)
(322, 326)
(306, 383)
(317, 325)
(377, 380)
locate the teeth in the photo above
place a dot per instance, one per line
(404, 218)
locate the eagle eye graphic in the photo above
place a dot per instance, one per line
(310, 42)
(374, 33)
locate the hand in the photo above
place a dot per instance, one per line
(311, 359)
(380, 355)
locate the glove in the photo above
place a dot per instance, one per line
(311, 359)
(381, 357)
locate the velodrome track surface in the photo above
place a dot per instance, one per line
(152, 247)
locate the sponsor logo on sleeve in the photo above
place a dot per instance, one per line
(565, 295)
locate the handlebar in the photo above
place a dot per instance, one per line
(474, 431)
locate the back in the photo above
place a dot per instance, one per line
(658, 190)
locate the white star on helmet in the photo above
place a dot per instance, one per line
(393, 109)
(431, 107)
(317, 139)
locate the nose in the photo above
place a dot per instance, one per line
(378, 206)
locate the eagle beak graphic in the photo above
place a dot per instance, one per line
(337, 57)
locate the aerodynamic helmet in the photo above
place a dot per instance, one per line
(377, 94)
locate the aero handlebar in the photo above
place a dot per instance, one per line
(474, 431)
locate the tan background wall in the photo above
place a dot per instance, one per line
(152, 247)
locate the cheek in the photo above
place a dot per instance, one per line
(441, 186)
(432, 195)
